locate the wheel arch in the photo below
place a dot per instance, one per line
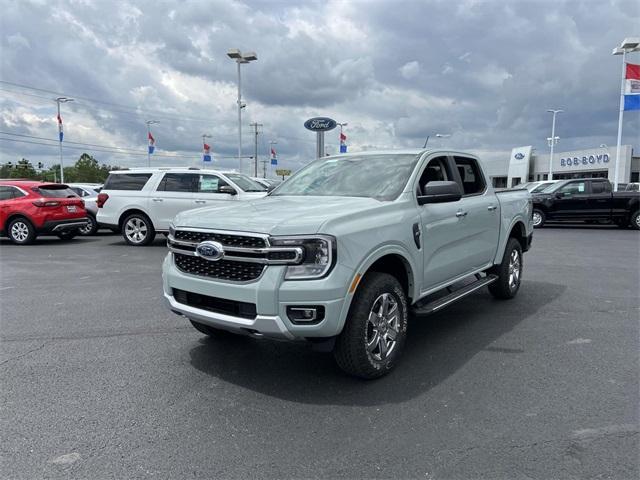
(131, 211)
(11, 217)
(517, 231)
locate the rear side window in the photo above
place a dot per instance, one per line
(6, 193)
(178, 182)
(470, 174)
(600, 187)
(126, 181)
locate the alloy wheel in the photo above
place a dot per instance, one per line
(19, 231)
(136, 230)
(86, 230)
(514, 269)
(382, 327)
(537, 219)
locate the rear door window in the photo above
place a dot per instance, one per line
(178, 182)
(126, 181)
(600, 187)
(470, 175)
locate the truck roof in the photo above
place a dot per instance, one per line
(170, 169)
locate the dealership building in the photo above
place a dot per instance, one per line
(526, 165)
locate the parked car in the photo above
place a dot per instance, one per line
(534, 187)
(31, 208)
(269, 183)
(631, 187)
(342, 251)
(89, 193)
(586, 200)
(142, 201)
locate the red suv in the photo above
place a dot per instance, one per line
(30, 208)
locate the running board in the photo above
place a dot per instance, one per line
(442, 302)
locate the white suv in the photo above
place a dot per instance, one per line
(142, 201)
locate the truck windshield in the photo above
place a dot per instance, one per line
(382, 177)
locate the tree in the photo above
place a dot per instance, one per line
(21, 169)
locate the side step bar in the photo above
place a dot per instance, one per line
(442, 302)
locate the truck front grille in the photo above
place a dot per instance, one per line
(222, 269)
(227, 240)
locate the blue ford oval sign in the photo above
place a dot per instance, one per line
(320, 124)
(519, 156)
(210, 250)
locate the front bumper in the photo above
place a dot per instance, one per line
(271, 296)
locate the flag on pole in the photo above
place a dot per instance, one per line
(343, 145)
(60, 132)
(206, 157)
(152, 143)
(632, 87)
(274, 158)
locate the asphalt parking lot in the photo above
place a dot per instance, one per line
(100, 381)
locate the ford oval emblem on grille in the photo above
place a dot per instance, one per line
(210, 250)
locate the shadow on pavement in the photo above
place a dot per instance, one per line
(437, 346)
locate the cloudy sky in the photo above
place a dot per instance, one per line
(484, 72)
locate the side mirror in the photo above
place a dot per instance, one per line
(440, 192)
(228, 189)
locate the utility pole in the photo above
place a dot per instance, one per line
(255, 126)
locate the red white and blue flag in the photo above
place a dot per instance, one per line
(60, 132)
(632, 87)
(274, 157)
(152, 143)
(343, 144)
(206, 157)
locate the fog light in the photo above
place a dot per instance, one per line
(305, 313)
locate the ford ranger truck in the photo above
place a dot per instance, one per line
(341, 253)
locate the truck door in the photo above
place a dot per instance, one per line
(173, 195)
(570, 202)
(442, 235)
(208, 191)
(599, 202)
(480, 214)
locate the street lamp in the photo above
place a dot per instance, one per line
(437, 135)
(552, 141)
(149, 137)
(240, 58)
(60, 100)
(628, 45)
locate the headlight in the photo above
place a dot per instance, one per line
(318, 258)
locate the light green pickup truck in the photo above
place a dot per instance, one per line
(345, 250)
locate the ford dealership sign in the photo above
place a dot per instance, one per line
(519, 156)
(320, 124)
(584, 160)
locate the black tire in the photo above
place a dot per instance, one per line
(356, 351)
(506, 286)
(137, 230)
(635, 220)
(538, 214)
(210, 331)
(21, 231)
(91, 228)
(68, 234)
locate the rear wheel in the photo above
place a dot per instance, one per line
(91, 227)
(538, 218)
(376, 328)
(509, 272)
(635, 220)
(20, 231)
(138, 230)
(68, 234)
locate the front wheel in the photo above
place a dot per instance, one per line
(376, 328)
(138, 230)
(635, 220)
(538, 218)
(509, 272)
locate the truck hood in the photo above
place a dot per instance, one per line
(275, 215)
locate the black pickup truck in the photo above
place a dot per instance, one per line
(586, 200)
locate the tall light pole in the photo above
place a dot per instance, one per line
(628, 45)
(240, 58)
(437, 135)
(204, 141)
(552, 140)
(60, 100)
(149, 137)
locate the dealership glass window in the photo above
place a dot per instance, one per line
(210, 184)
(471, 175)
(573, 188)
(177, 182)
(126, 181)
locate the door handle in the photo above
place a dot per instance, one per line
(491, 208)
(200, 201)
(156, 199)
(461, 214)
